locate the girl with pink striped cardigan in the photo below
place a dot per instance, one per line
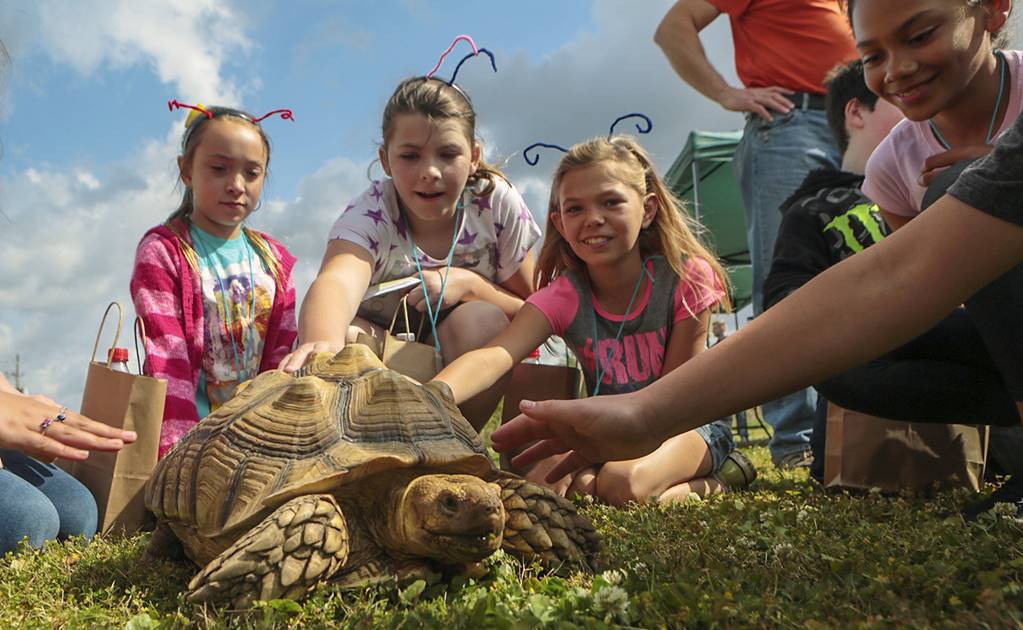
(217, 298)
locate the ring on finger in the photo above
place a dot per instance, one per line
(45, 424)
(61, 415)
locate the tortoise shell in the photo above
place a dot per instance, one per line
(338, 420)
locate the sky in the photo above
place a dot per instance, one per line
(89, 146)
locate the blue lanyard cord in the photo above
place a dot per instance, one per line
(994, 115)
(228, 319)
(601, 362)
(430, 311)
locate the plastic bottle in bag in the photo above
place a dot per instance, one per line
(119, 360)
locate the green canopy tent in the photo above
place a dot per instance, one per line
(703, 177)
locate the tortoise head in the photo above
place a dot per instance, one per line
(452, 518)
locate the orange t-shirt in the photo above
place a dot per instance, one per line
(788, 43)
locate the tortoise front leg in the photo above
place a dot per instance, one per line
(300, 544)
(538, 522)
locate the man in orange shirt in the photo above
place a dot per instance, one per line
(783, 51)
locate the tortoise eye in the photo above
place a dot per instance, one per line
(450, 502)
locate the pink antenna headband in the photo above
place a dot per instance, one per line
(476, 51)
(198, 109)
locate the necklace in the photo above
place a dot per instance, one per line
(431, 313)
(1004, 69)
(601, 365)
(206, 248)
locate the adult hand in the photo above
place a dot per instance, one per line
(760, 101)
(300, 355)
(460, 285)
(938, 162)
(591, 431)
(20, 420)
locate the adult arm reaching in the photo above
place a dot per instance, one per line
(838, 320)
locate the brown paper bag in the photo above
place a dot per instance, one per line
(402, 353)
(133, 403)
(865, 452)
(533, 381)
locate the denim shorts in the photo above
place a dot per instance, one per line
(718, 437)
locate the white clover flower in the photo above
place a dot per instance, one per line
(612, 601)
(1005, 510)
(783, 549)
(802, 515)
(613, 577)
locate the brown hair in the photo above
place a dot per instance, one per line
(189, 144)
(673, 233)
(435, 99)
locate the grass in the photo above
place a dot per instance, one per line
(782, 554)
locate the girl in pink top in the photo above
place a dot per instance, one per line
(937, 62)
(623, 279)
(217, 298)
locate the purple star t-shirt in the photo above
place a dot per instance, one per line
(496, 235)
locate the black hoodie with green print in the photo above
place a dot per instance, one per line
(824, 222)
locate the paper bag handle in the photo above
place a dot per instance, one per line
(403, 308)
(102, 323)
(140, 331)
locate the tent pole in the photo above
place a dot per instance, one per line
(696, 191)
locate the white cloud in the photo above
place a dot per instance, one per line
(577, 91)
(185, 42)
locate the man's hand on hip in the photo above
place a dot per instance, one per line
(760, 101)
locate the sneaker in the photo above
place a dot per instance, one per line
(802, 458)
(1009, 492)
(737, 472)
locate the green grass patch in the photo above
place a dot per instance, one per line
(782, 554)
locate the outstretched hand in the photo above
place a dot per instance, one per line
(759, 101)
(590, 431)
(20, 420)
(300, 355)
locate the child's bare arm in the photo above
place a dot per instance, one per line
(332, 301)
(464, 285)
(475, 371)
(688, 338)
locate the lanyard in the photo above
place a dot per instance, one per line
(432, 313)
(621, 327)
(204, 247)
(994, 114)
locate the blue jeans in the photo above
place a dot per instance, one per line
(41, 502)
(771, 161)
(718, 436)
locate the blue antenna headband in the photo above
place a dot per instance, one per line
(536, 158)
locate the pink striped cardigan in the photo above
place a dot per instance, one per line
(168, 297)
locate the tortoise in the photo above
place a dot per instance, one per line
(349, 473)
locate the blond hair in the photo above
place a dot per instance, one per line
(672, 233)
(436, 100)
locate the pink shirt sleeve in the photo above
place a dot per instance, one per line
(885, 182)
(699, 289)
(558, 301)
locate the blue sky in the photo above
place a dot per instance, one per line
(89, 147)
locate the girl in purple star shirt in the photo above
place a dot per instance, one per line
(443, 212)
(625, 281)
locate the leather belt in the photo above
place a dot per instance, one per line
(807, 100)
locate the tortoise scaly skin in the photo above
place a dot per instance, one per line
(350, 473)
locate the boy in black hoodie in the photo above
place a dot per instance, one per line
(946, 374)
